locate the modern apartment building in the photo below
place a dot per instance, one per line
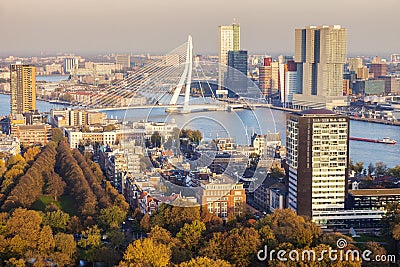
(32, 134)
(317, 154)
(265, 77)
(23, 88)
(123, 61)
(378, 69)
(354, 63)
(70, 64)
(69, 117)
(320, 54)
(228, 40)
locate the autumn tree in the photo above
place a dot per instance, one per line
(57, 135)
(238, 246)
(160, 235)
(78, 186)
(358, 167)
(30, 185)
(93, 180)
(31, 153)
(289, 227)
(396, 231)
(205, 262)
(55, 186)
(65, 249)
(74, 225)
(57, 220)
(213, 222)
(391, 217)
(111, 217)
(15, 166)
(144, 252)
(395, 171)
(190, 234)
(91, 241)
(145, 223)
(380, 168)
(173, 218)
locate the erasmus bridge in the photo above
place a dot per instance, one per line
(167, 84)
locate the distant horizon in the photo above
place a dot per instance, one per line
(132, 53)
(101, 26)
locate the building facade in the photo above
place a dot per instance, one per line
(223, 198)
(23, 88)
(32, 134)
(317, 154)
(236, 79)
(123, 61)
(377, 69)
(372, 199)
(320, 54)
(228, 40)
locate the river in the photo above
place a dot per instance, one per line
(241, 124)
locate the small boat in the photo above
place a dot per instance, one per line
(385, 140)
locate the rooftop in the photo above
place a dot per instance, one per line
(317, 112)
(375, 192)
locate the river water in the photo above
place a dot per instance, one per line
(240, 124)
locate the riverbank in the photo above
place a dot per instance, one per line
(379, 121)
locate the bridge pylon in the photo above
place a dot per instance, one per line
(186, 79)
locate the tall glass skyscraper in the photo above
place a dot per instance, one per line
(320, 54)
(236, 79)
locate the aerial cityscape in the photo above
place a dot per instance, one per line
(198, 149)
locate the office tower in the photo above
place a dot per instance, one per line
(23, 88)
(229, 40)
(274, 77)
(320, 54)
(70, 64)
(346, 87)
(236, 78)
(317, 154)
(377, 69)
(392, 85)
(267, 61)
(362, 73)
(290, 84)
(355, 63)
(376, 60)
(287, 79)
(123, 61)
(264, 77)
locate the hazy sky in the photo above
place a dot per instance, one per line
(157, 26)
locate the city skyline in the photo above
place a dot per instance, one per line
(98, 27)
